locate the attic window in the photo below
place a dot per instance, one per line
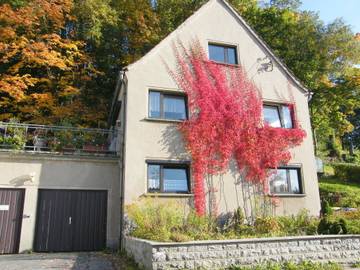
(223, 54)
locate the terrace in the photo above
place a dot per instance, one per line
(58, 140)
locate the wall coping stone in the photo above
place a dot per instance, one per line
(18, 155)
(246, 240)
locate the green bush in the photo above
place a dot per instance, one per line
(352, 219)
(199, 228)
(14, 142)
(347, 172)
(329, 225)
(306, 265)
(168, 222)
(155, 220)
(326, 210)
(267, 225)
(300, 224)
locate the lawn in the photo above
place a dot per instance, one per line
(339, 193)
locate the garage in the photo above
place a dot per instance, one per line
(11, 214)
(71, 220)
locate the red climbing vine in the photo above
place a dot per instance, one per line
(226, 122)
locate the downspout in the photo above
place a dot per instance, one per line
(310, 96)
(122, 179)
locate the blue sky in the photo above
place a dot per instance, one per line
(329, 10)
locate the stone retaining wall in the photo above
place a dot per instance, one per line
(220, 254)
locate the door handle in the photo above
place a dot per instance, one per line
(70, 220)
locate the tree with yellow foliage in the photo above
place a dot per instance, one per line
(44, 70)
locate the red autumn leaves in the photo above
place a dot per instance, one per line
(226, 122)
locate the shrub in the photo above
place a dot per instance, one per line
(352, 219)
(267, 225)
(332, 226)
(347, 172)
(326, 210)
(155, 220)
(234, 221)
(199, 227)
(300, 224)
(160, 221)
(167, 221)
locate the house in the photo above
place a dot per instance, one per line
(149, 106)
(71, 197)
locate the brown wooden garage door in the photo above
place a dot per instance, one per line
(11, 211)
(71, 220)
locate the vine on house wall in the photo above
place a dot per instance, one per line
(226, 122)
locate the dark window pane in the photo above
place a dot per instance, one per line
(175, 180)
(153, 177)
(278, 181)
(174, 108)
(271, 116)
(217, 53)
(287, 117)
(154, 104)
(285, 181)
(231, 52)
(294, 181)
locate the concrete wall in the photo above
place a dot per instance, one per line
(53, 172)
(221, 254)
(146, 139)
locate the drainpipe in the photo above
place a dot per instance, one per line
(310, 96)
(123, 83)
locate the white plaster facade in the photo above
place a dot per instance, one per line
(146, 139)
(32, 172)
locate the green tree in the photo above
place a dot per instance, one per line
(321, 56)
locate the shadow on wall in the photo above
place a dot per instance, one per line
(22, 179)
(172, 142)
(247, 195)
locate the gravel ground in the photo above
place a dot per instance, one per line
(56, 261)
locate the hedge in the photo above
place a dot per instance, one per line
(347, 172)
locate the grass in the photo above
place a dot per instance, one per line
(339, 193)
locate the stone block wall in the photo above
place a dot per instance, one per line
(221, 254)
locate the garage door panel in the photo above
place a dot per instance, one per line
(90, 221)
(54, 208)
(71, 220)
(11, 211)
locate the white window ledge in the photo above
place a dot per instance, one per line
(288, 195)
(177, 195)
(161, 120)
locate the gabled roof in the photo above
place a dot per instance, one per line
(246, 26)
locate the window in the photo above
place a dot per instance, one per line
(167, 106)
(286, 181)
(171, 178)
(278, 116)
(223, 54)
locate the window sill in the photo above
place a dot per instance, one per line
(173, 195)
(225, 64)
(288, 195)
(160, 120)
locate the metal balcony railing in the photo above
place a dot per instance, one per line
(58, 140)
